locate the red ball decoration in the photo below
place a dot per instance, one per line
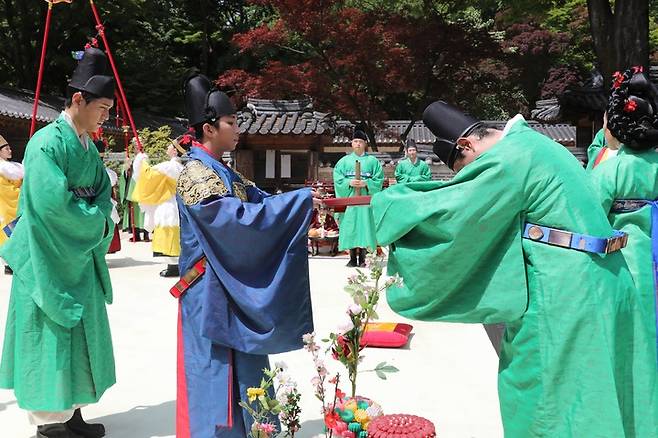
(401, 426)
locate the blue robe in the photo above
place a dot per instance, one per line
(253, 300)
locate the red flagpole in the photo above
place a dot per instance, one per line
(37, 92)
(101, 31)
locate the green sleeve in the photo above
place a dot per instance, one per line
(376, 182)
(593, 150)
(400, 175)
(457, 245)
(342, 182)
(604, 180)
(64, 231)
(426, 173)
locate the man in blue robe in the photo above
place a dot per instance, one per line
(245, 291)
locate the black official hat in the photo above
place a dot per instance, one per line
(448, 124)
(92, 74)
(203, 103)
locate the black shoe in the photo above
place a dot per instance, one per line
(8, 270)
(351, 264)
(56, 430)
(171, 271)
(79, 426)
(362, 258)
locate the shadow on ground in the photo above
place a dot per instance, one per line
(141, 422)
(128, 262)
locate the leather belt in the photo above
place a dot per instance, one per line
(577, 241)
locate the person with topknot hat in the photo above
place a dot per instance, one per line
(356, 228)
(11, 178)
(519, 237)
(57, 352)
(628, 189)
(412, 169)
(244, 291)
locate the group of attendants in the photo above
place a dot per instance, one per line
(563, 257)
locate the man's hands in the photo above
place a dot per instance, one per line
(358, 183)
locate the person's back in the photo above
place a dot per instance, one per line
(563, 300)
(567, 311)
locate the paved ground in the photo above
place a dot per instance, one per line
(448, 371)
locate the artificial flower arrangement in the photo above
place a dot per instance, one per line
(350, 416)
(266, 403)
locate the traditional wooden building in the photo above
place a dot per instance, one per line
(283, 144)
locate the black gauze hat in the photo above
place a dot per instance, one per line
(448, 124)
(92, 74)
(203, 103)
(411, 143)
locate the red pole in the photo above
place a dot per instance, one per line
(101, 31)
(37, 92)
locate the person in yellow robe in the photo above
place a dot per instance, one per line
(155, 191)
(11, 178)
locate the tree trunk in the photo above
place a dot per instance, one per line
(621, 38)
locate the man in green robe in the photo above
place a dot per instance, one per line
(411, 169)
(518, 237)
(356, 227)
(57, 352)
(628, 190)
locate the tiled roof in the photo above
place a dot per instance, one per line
(16, 103)
(285, 117)
(393, 129)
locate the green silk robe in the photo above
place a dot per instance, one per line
(566, 360)
(356, 226)
(406, 171)
(634, 175)
(57, 349)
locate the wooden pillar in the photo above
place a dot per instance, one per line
(244, 163)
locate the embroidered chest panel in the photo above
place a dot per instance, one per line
(198, 182)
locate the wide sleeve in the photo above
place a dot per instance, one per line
(376, 181)
(152, 187)
(426, 173)
(257, 296)
(64, 232)
(400, 174)
(342, 181)
(593, 150)
(9, 191)
(604, 180)
(457, 245)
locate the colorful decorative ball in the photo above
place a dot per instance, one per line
(349, 434)
(351, 405)
(362, 404)
(401, 426)
(363, 434)
(347, 416)
(361, 416)
(354, 427)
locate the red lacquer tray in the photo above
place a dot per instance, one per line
(340, 204)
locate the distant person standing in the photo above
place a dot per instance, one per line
(411, 169)
(357, 228)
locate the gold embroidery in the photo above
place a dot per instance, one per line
(245, 181)
(240, 191)
(198, 182)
